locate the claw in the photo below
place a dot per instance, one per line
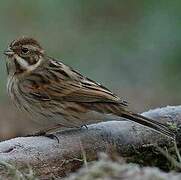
(52, 136)
(43, 133)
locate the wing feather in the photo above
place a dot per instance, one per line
(78, 88)
(62, 83)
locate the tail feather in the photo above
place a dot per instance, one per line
(155, 125)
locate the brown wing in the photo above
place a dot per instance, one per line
(60, 82)
(72, 86)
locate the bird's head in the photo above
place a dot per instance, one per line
(24, 55)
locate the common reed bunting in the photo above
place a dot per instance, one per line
(50, 90)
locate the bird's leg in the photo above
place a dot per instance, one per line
(45, 131)
(52, 136)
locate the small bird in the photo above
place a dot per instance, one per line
(51, 91)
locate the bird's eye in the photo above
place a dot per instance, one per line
(25, 50)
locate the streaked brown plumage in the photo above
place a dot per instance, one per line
(50, 90)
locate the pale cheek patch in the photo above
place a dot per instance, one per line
(25, 65)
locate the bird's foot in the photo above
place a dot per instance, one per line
(43, 133)
(52, 136)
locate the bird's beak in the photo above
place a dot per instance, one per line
(8, 52)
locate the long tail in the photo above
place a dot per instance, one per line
(155, 125)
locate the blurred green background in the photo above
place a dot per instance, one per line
(132, 47)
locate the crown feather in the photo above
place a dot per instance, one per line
(25, 41)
